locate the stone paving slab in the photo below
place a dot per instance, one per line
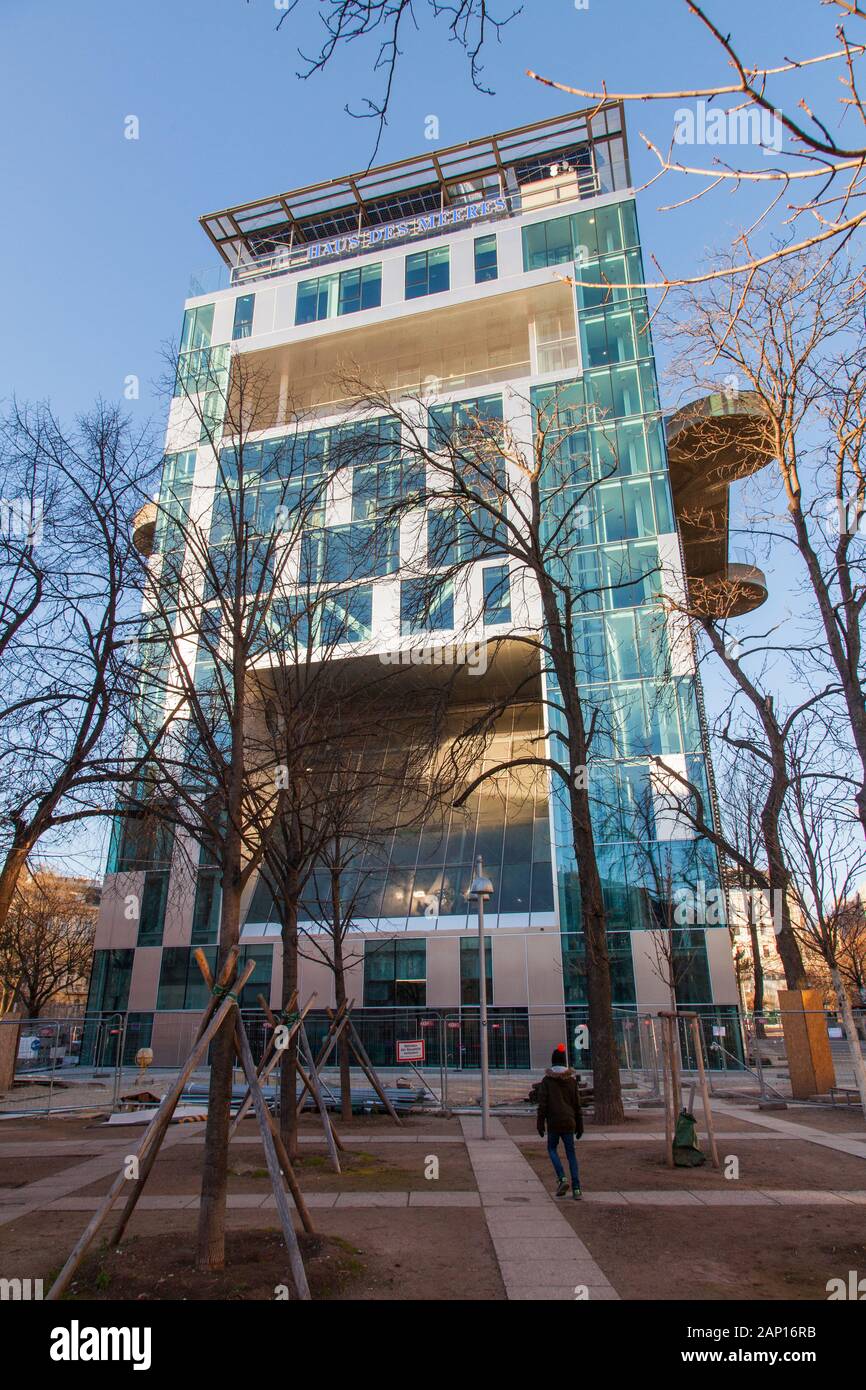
(553, 1269)
(545, 1293)
(373, 1199)
(444, 1199)
(748, 1198)
(804, 1199)
(540, 1256)
(856, 1148)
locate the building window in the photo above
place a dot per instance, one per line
(395, 973)
(260, 980)
(328, 296)
(428, 272)
(197, 328)
(200, 366)
(109, 981)
(181, 985)
(460, 421)
(206, 912)
(486, 267)
(574, 965)
(470, 992)
(152, 915)
(497, 594)
(378, 488)
(361, 550)
(243, 324)
(548, 243)
(426, 607)
(347, 616)
(145, 840)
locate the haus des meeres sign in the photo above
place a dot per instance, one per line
(370, 237)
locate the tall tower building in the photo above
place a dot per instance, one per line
(491, 277)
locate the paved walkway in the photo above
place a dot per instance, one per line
(540, 1255)
(524, 1207)
(41, 1194)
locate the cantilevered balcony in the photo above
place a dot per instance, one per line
(713, 442)
(737, 589)
(144, 527)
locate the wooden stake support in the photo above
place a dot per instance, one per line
(673, 1082)
(310, 1078)
(219, 1008)
(153, 1136)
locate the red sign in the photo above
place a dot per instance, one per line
(411, 1051)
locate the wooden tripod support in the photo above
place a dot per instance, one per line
(673, 1081)
(220, 1007)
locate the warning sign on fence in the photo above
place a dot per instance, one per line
(411, 1051)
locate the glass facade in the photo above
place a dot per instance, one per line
(395, 972)
(605, 444)
(423, 872)
(329, 296)
(595, 391)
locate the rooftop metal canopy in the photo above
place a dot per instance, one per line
(500, 163)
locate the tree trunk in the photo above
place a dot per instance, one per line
(214, 1182)
(844, 1005)
(758, 976)
(11, 873)
(289, 1059)
(343, 1043)
(778, 878)
(607, 1092)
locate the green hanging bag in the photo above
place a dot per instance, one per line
(686, 1151)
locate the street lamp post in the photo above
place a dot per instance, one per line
(480, 889)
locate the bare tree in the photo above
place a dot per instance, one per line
(222, 552)
(794, 333)
(528, 498)
(69, 586)
(470, 25)
(46, 942)
(825, 175)
(828, 865)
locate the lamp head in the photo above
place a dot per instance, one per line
(480, 887)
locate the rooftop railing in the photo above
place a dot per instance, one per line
(564, 186)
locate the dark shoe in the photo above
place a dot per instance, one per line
(576, 1193)
(562, 1189)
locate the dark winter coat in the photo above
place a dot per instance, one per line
(559, 1102)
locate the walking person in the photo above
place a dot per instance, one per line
(559, 1110)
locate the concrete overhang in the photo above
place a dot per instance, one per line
(713, 442)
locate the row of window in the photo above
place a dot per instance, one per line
(592, 238)
(395, 973)
(349, 291)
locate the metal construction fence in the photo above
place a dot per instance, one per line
(89, 1062)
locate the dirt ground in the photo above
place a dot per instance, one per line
(612, 1167)
(385, 1254)
(757, 1253)
(397, 1167)
(445, 1253)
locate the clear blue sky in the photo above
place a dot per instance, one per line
(99, 234)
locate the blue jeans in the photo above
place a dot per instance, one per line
(552, 1145)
